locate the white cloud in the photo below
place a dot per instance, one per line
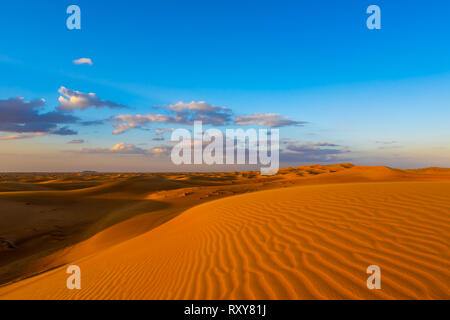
(83, 61)
(197, 106)
(120, 148)
(186, 113)
(128, 149)
(23, 136)
(72, 100)
(271, 120)
(160, 150)
(179, 113)
(125, 122)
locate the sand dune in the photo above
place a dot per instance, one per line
(50, 219)
(301, 242)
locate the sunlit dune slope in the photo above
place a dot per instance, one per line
(303, 242)
(50, 219)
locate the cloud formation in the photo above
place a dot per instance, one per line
(79, 141)
(271, 120)
(83, 61)
(22, 136)
(128, 149)
(64, 131)
(92, 123)
(312, 152)
(324, 144)
(75, 100)
(162, 131)
(125, 122)
(20, 116)
(180, 113)
(160, 151)
(120, 148)
(186, 113)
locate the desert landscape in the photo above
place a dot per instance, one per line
(306, 233)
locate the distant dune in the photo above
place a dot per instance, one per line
(309, 234)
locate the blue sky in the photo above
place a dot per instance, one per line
(380, 96)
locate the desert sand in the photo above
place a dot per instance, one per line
(306, 233)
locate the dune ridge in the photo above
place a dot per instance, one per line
(301, 242)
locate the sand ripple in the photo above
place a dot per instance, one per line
(310, 242)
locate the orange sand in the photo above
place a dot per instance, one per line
(302, 242)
